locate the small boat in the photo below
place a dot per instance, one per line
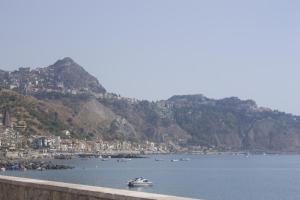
(159, 159)
(41, 169)
(185, 159)
(2, 169)
(138, 182)
(174, 160)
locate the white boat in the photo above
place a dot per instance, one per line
(174, 160)
(3, 169)
(185, 159)
(138, 182)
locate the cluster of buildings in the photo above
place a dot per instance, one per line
(27, 81)
(10, 137)
(12, 140)
(113, 96)
(56, 144)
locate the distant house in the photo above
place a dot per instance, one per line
(38, 143)
(66, 133)
(60, 85)
(21, 125)
(12, 86)
(41, 142)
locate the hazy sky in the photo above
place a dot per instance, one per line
(155, 49)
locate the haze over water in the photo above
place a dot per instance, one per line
(211, 177)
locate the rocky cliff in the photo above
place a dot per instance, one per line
(231, 123)
(71, 75)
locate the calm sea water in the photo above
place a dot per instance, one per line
(211, 177)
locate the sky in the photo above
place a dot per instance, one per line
(155, 49)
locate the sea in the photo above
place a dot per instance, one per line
(208, 177)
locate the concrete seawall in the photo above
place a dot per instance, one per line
(15, 188)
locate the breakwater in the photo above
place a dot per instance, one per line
(15, 188)
(24, 165)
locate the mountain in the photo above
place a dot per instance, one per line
(64, 96)
(64, 76)
(72, 75)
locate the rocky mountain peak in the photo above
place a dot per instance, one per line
(64, 76)
(67, 61)
(74, 76)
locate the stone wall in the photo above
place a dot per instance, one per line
(15, 188)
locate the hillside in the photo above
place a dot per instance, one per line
(149, 120)
(225, 124)
(231, 123)
(88, 118)
(34, 116)
(82, 115)
(64, 96)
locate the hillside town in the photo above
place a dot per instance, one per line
(14, 144)
(27, 81)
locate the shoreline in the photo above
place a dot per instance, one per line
(44, 161)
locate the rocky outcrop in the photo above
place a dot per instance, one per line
(72, 75)
(150, 120)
